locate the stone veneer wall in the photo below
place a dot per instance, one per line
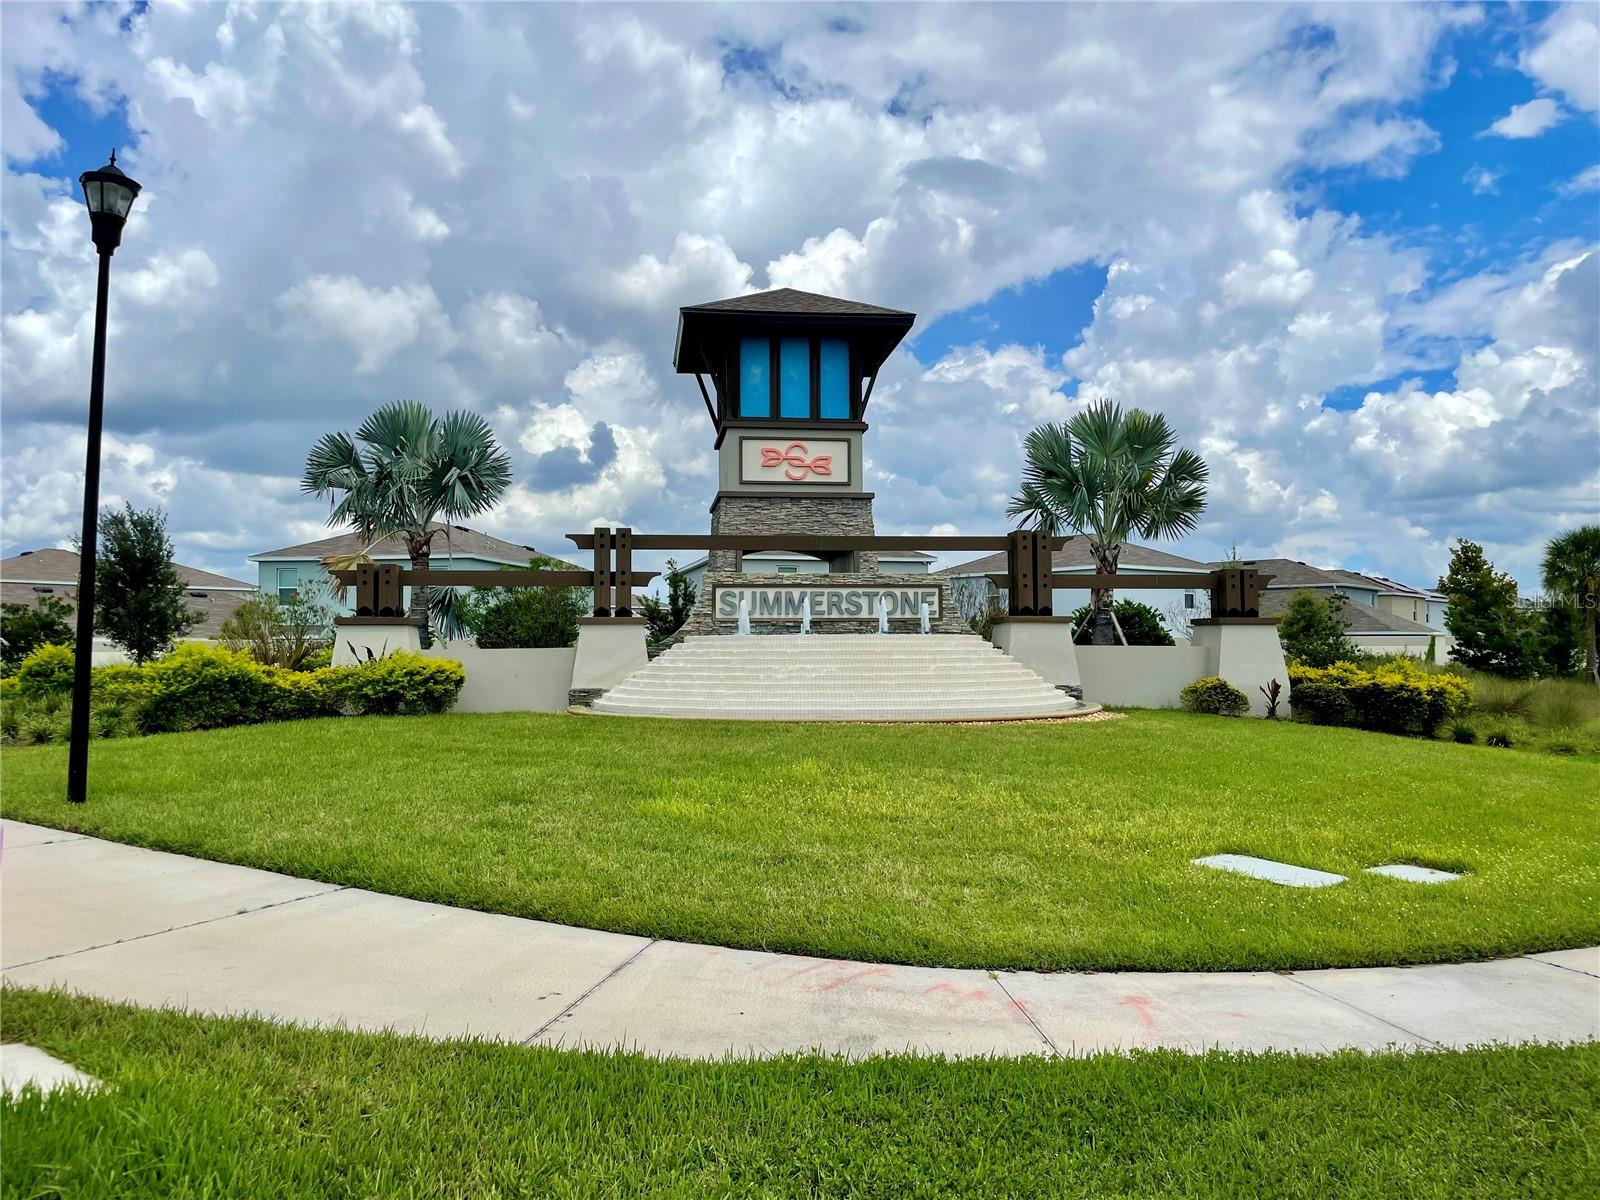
(840, 515)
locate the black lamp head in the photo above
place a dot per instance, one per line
(109, 193)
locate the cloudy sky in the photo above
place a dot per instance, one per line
(1352, 251)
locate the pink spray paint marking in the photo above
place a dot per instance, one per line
(1141, 1005)
(853, 977)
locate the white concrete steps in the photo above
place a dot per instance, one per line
(836, 677)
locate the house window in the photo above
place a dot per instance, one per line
(1188, 599)
(788, 570)
(794, 378)
(755, 378)
(833, 370)
(288, 584)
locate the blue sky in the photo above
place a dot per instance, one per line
(1289, 229)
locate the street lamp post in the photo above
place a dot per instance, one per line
(110, 195)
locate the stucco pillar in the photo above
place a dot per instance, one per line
(1044, 646)
(355, 639)
(609, 650)
(1246, 652)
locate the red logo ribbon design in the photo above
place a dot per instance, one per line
(793, 458)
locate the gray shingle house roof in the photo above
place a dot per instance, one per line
(1358, 618)
(26, 577)
(1075, 556)
(466, 542)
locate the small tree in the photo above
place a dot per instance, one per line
(25, 627)
(1180, 619)
(281, 633)
(1572, 576)
(405, 471)
(1110, 475)
(138, 600)
(663, 620)
(526, 618)
(1312, 629)
(1491, 631)
(1140, 624)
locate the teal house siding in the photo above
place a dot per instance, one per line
(297, 570)
(284, 578)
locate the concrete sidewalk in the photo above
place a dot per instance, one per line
(161, 929)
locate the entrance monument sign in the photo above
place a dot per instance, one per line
(828, 603)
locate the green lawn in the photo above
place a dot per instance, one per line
(237, 1109)
(1040, 845)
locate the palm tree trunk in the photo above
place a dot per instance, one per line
(1101, 599)
(1591, 645)
(419, 551)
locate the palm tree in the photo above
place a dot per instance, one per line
(1572, 572)
(410, 472)
(1109, 474)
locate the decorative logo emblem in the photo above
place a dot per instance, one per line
(793, 459)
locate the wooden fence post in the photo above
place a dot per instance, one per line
(623, 538)
(602, 571)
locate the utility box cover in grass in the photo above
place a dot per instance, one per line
(1273, 872)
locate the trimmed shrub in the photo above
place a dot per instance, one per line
(317, 660)
(206, 687)
(1319, 701)
(1396, 696)
(297, 695)
(120, 683)
(1216, 696)
(396, 684)
(46, 672)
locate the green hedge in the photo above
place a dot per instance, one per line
(1396, 696)
(46, 672)
(1215, 696)
(207, 687)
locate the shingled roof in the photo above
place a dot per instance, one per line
(1075, 556)
(798, 303)
(1358, 618)
(26, 577)
(457, 539)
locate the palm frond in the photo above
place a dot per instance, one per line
(446, 611)
(1107, 474)
(333, 462)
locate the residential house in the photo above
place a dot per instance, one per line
(27, 577)
(785, 562)
(1176, 605)
(1420, 604)
(295, 570)
(1377, 611)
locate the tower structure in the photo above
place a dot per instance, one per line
(786, 377)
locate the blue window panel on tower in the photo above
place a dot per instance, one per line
(833, 372)
(794, 377)
(755, 377)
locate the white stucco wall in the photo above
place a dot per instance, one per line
(1140, 676)
(509, 680)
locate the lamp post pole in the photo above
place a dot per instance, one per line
(109, 194)
(78, 744)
